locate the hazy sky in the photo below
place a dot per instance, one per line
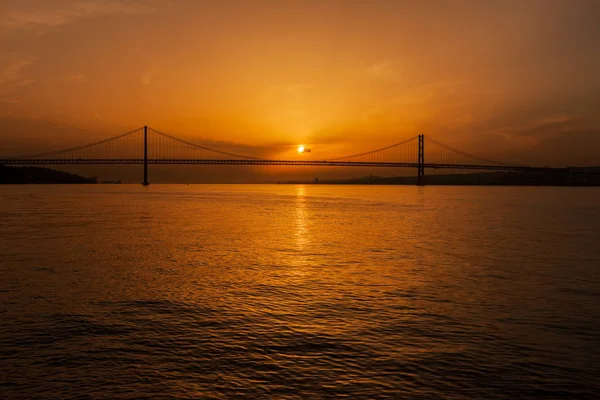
(519, 80)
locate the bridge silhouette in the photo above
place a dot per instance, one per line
(146, 146)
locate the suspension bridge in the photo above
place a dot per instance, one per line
(146, 146)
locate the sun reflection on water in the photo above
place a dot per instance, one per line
(301, 231)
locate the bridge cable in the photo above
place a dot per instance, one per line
(373, 151)
(51, 153)
(203, 147)
(446, 147)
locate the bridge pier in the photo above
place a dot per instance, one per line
(421, 162)
(145, 183)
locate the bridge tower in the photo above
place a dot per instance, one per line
(145, 183)
(421, 163)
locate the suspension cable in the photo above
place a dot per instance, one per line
(445, 146)
(55, 152)
(373, 151)
(203, 147)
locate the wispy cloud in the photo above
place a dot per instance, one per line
(40, 19)
(12, 71)
(386, 70)
(12, 75)
(286, 92)
(299, 90)
(546, 126)
(9, 101)
(417, 105)
(149, 74)
(74, 77)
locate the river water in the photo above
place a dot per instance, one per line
(282, 291)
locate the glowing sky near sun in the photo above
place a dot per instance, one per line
(511, 79)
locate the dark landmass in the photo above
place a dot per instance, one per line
(580, 178)
(24, 175)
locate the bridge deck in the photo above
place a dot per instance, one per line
(324, 163)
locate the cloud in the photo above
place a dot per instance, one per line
(295, 121)
(41, 19)
(565, 148)
(287, 92)
(149, 74)
(422, 104)
(12, 71)
(11, 75)
(75, 78)
(385, 70)
(546, 126)
(298, 90)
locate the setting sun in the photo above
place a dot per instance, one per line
(301, 149)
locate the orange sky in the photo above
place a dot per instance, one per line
(515, 80)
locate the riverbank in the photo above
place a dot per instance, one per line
(473, 179)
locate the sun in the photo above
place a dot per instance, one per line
(301, 149)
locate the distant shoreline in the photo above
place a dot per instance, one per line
(40, 175)
(469, 179)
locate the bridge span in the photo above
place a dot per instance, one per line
(146, 146)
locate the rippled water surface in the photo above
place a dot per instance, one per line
(209, 291)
